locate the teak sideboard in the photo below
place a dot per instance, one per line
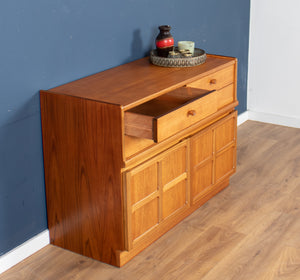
(131, 151)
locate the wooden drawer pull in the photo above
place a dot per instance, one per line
(191, 113)
(213, 81)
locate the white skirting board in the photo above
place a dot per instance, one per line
(242, 118)
(41, 240)
(274, 119)
(268, 118)
(23, 251)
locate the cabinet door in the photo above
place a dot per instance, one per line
(202, 163)
(156, 190)
(144, 198)
(225, 148)
(174, 183)
(213, 156)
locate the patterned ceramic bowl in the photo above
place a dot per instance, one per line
(198, 58)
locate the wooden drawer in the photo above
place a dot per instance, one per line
(215, 81)
(225, 96)
(168, 114)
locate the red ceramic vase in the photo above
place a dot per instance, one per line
(164, 41)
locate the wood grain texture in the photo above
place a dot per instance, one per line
(225, 96)
(143, 181)
(178, 120)
(216, 81)
(248, 231)
(84, 195)
(145, 81)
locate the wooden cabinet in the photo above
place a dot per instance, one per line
(131, 151)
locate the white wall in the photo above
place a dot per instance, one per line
(274, 60)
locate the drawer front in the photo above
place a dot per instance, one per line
(185, 116)
(216, 80)
(225, 96)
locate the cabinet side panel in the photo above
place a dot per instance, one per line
(82, 143)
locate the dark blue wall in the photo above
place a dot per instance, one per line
(45, 43)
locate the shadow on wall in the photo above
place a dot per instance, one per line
(22, 195)
(138, 48)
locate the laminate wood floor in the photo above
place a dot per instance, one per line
(249, 231)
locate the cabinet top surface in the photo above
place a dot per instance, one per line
(136, 82)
